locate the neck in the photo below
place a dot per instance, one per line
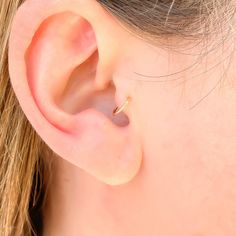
(71, 203)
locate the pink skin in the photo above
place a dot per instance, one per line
(171, 171)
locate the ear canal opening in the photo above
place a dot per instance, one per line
(80, 93)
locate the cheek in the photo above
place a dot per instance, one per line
(189, 174)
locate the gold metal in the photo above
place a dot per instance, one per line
(122, 107)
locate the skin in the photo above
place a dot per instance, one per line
(179, 154)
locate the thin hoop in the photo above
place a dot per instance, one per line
(122, 107)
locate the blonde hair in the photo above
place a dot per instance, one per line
(22, 166)
(20, 147)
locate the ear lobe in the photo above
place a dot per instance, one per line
(55, 68)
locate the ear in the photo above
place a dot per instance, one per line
(61, 63)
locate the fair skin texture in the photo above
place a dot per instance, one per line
(171, 171)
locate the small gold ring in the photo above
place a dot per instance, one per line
(122, 107)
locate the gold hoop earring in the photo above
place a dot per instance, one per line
(122, 107)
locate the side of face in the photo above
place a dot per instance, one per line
(186, 121)
(171, 170)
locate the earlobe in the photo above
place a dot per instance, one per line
(56, 66)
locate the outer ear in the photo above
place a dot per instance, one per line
(61, 60)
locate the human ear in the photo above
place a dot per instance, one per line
(61, 62)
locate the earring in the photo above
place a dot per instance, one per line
(122, 107)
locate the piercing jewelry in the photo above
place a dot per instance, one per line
(122, 107)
